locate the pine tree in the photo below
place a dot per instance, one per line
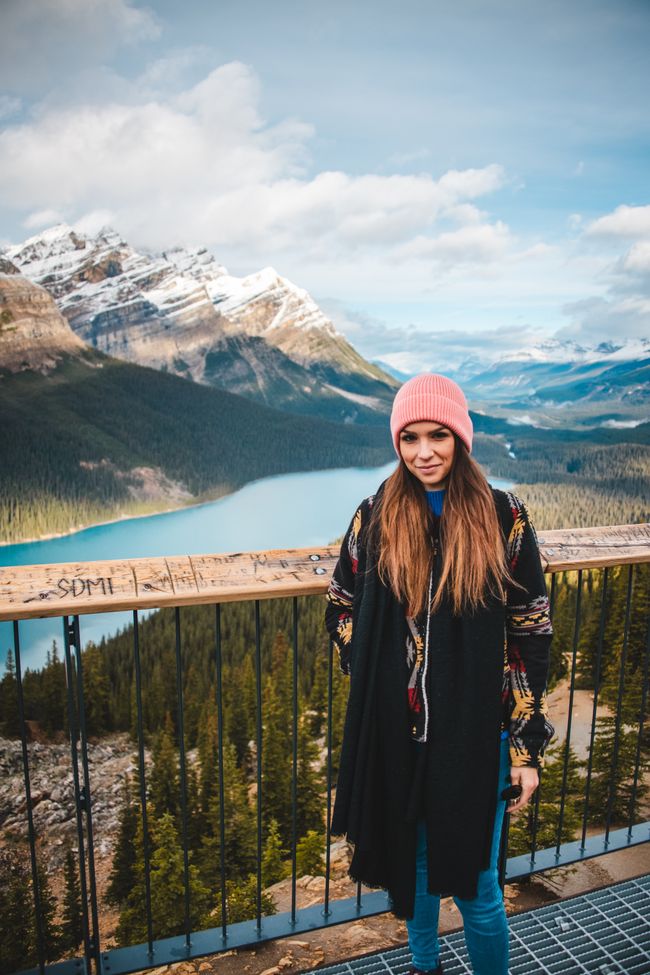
(48, 911)
(318, 697)
(309, 802)
(17, 935)
(310, 855)
(276, 762)
(208, 751)
(9, 723)
(618, 787)
(340, 689)
(274, 865)
(96, 691)
(72, 919)
(239, 711)
(122, 875)
(241, 902)
(193, 806)
(563, 623)
(53, 696)
(239, 854)
(167, 890)
(164, 778)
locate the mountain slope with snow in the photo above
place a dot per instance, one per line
(181, 311)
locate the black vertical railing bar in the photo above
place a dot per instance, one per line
(594, 710)
(183, 773)
(503, 851)
(258, 736)
(294, 756)
(328, 773)
(642, 707)
(619, 703)
(31, 832)
(551, 601)
(538, 790)
(222, 795)
(535, 818)
(74, 758)
(87, 802)
(142, 783)
(569, 720)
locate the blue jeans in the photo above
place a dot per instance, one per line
(484, 917)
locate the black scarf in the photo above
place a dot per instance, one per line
(383, 782)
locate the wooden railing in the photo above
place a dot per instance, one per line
(36, 591)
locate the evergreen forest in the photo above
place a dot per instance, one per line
(74, 444)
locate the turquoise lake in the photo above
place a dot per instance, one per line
(286, 511)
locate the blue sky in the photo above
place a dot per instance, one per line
(437, 174)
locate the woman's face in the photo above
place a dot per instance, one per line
(427, 449)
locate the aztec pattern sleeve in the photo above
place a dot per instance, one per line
(528, 641)
(340, 595)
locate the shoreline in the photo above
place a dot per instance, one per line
(114, 521)
(171, 510)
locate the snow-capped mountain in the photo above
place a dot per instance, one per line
(562, 382)
(181, 311)
(545, 370)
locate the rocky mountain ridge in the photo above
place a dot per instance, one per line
(182, 312)
(34, 334)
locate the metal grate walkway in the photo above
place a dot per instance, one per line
(606, 932)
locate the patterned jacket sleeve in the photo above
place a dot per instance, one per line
(340, 595)
(528, 637)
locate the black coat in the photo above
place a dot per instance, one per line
(386, 780)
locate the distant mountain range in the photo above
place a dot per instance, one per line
(559, 383)
(259, 336)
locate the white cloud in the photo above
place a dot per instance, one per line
(91, 223)
(637, 259)
(598, 319)
(467, 245)
(42, 218)
(622, 306)
(625, 222)
(411, 350)
(203, 166)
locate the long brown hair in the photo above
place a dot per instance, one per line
(473, 550)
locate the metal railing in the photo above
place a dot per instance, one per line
(70, 591)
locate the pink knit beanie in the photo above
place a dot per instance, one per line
(434, 398)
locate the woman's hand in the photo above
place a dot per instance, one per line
(528, 779)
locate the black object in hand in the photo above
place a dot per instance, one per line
(511, 792)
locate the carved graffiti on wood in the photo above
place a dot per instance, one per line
(56, 590)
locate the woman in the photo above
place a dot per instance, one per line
(439, 611)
